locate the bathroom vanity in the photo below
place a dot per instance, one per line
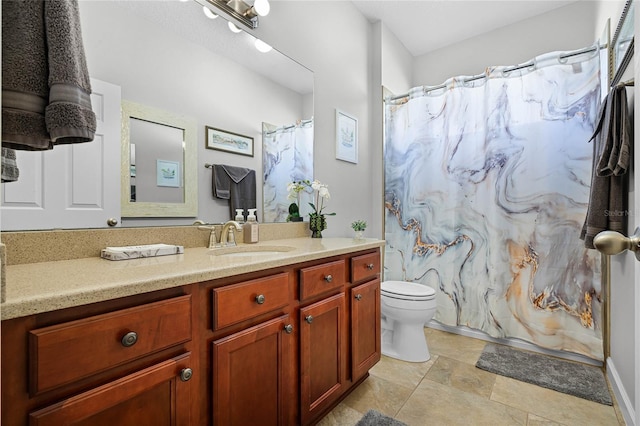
(238, 337)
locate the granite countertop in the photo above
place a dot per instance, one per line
(46, 286)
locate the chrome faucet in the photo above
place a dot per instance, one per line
(227, 232)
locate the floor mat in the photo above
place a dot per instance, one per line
(374, 418)
(573, 378)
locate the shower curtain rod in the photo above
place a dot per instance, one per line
(505, 71)
(298, 123)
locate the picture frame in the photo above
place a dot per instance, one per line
(223, 140)
(346, 137)
(168, 173)
(622, 43)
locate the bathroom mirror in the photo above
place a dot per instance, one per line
(159, 160)
(168, 56)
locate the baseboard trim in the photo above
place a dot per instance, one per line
(477, 334)
(625, 404)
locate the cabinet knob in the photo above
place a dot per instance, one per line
(185, 374)
(112, 221)
(260, 299)
(370, 266)
(129, 339)
(328, 278)
(288, 329)
(358, 296)
(309, 319)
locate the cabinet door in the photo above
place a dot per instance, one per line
(322, 355)
(252, 375)
(158, 395)
(365, 327)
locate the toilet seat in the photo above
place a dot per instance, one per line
(406, 291)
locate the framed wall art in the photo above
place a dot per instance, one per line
(346, 137)
(223, 140)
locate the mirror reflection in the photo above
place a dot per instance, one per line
(170, 56)
(287, 156)
(158, 163)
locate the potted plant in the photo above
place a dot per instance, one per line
(359, 226)
(294, 189)
(294, 213)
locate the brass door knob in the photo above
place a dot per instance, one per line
(611, 242)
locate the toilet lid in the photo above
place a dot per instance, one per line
(407, 290)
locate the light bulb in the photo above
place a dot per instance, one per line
(233, 27)
(208, 13)
(262, 7)
(262, 46)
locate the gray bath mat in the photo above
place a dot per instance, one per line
(374, 418)
(573, 378)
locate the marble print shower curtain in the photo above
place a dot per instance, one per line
(287, 156)
(486, 189)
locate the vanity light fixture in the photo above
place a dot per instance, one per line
(243, 12)
(208, 13)
(262, 46)
(233, 27)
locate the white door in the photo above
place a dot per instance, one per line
(71, 186)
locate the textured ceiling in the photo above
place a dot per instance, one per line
(427, 25)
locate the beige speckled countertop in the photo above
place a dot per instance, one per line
(46, 286)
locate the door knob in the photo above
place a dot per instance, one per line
(328, 278)
(112, 221)
(309, 319)
(612, 242)
(288, 328)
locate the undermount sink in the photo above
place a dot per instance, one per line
(250, 251)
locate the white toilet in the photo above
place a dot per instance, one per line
(405, 308)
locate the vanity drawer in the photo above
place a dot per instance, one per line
(239, 302)
(320, 279)
(365, 267)
(67, 352)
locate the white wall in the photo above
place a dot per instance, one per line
(566, 28)
(333, 39)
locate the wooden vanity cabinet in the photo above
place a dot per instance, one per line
(126, 362)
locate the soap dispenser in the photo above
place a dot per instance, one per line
(250, 228)
(239, 215)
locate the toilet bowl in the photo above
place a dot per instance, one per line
(405, 308)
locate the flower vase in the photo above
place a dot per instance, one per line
(317, 224)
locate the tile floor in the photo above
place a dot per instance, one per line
(450, 390)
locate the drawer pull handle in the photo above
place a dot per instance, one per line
(328, 278)
(185, 374)
(288, 328)
(129, 339)
(260, 299)
(309, 319)
(358, 296)
(370, 266)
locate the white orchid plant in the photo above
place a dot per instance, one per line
(321, 193)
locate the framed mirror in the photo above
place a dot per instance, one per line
(622, 44)
(158, 170)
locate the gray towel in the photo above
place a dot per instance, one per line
(10, 172)
(609, 181)
(236, 184)
(45, 81)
